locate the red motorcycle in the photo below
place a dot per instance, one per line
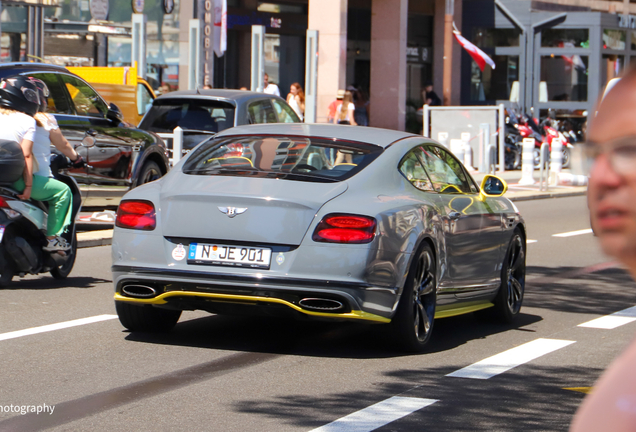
(546, 132)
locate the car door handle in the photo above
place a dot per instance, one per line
(454, 215)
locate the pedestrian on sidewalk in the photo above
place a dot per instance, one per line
(429, 95)
(361, 102)
(333, 106)
(270, 88)
(345, 111)
(296, 99)
(611, 152)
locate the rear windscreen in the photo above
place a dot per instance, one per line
(194, 114)
(293, 158)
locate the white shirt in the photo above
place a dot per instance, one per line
(272, 89)
(339, 110)
(17, 126)
(42, 146)
(296, 107)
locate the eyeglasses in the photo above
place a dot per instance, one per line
(620, 152)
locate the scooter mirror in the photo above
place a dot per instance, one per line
(88, 141)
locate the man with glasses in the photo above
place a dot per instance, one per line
(611, 155)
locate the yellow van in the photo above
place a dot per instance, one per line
(121, 86)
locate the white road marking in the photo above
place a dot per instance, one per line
(377, 415)
(58, 326)
(573, 233)
(512, 358)
(531, 241)
(612, 321)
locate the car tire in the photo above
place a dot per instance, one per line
(513, 279)
(65, 269)
(146, 318)
(413, 321)
(149, 172)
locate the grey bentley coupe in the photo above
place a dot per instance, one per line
(325, 221)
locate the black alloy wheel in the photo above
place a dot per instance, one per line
(513, 280)
(65, 269)
(413, 322)
(149, 172)
(146, 318)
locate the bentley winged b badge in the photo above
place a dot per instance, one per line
(232, 211)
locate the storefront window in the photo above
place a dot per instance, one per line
(565, 77)
(490, 37)
(13, 39)
(565, 38)
(633, 44)
(614, 39)
(611, 66)
(492, 85)
(162, 43)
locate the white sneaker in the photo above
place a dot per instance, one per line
(57, 244)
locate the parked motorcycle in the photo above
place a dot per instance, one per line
(23, 223)
(527, 127)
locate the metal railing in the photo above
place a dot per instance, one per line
(543, 169)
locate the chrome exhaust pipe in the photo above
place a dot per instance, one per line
(320, 304)
(139, 291)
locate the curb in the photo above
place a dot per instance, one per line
(94, 242)
(548, 195)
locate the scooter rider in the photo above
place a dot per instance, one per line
(48, 132)
(19, 96)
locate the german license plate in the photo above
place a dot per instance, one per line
(231, 256)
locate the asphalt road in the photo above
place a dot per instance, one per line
(218, 373)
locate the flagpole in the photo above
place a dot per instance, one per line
(448, 51)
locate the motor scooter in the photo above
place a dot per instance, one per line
(23, 223)
(545, 132)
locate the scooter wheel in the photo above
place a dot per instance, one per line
(6, 272)
(64, 270)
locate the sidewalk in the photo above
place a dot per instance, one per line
(515, 192)
(532, 192)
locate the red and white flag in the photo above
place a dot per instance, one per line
(480, 57)
(220, 27)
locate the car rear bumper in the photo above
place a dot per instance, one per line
(226, 293)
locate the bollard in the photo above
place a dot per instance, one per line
(177, 145)
(491, 159)
(457, 148)
(568, 179)
(542, 166)
(442, 138)
(556, 160)
(484, 142)
(468, 157)
(527, 162)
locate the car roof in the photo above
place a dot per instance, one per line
(7, 69)
(225, 94)
(370, 135)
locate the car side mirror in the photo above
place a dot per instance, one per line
(114, 114)
(493, 186)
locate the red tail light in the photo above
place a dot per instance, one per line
(343, 228)
(136, 215)
(3, 203)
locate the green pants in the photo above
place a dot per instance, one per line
(59, 197)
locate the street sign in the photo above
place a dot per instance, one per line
(99, 9)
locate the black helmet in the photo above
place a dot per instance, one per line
(43, 93)
(19, 93)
